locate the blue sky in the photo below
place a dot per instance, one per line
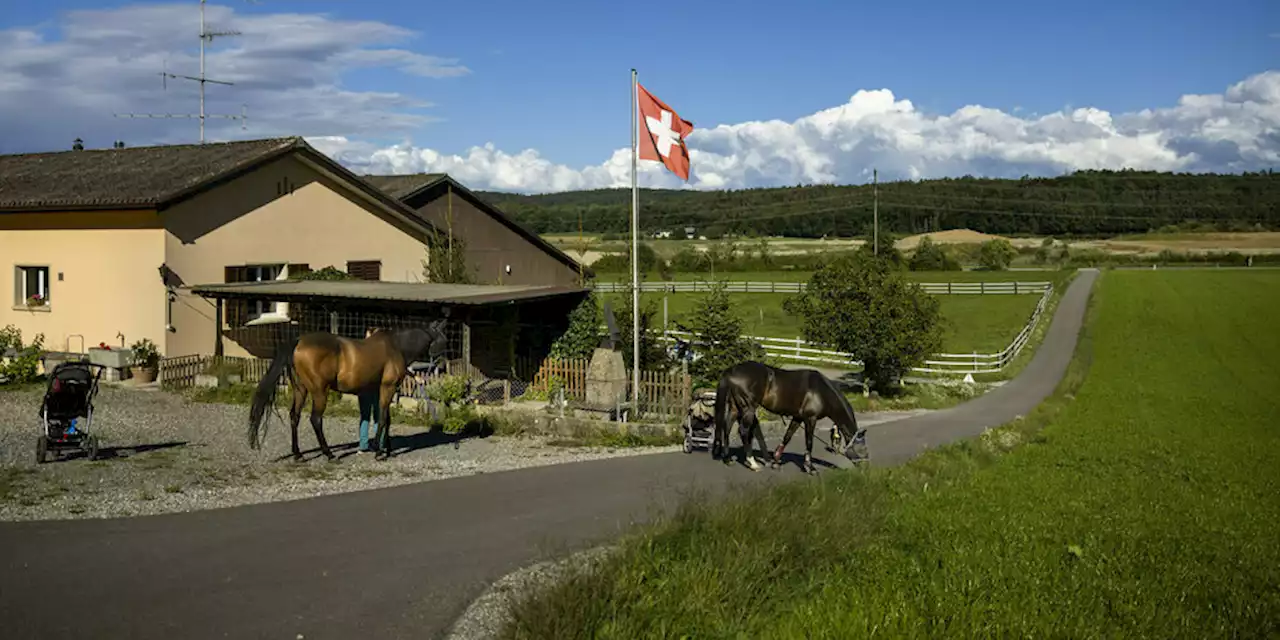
(557, 80)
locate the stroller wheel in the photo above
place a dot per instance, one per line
(42, 448)
(688, 446)
(91, 447)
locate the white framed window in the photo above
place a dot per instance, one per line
(31, 285)
(266, 273)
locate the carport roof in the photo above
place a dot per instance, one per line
(411, 292)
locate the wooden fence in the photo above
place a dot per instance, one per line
(661, 392)
(936, 288)
(799, 350)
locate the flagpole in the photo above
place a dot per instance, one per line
(635, 257)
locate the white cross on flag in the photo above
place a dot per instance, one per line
(667, 132)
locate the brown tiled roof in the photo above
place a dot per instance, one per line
(129, 177)
(399, 186)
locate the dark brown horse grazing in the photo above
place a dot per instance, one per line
(319, 362)
(804, 395)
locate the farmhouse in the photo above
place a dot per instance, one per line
(114, 245)
(498, 250)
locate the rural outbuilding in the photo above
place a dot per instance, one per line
(500, 331)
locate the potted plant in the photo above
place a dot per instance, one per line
(36, 300)
(146, 358)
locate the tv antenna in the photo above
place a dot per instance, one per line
(205, 36)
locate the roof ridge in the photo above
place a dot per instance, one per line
(292, 140)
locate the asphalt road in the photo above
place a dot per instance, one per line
(401, 562)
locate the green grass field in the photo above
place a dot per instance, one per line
(985, 324)
(1141, 500)
(1054, 276)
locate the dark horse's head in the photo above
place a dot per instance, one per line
(841, 414)
(423, 344)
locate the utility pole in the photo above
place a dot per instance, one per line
(875, 213)
(205, 36)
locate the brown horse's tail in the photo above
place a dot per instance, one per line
(265, 396)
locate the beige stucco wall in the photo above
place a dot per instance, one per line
(109, 284)
(248, 221)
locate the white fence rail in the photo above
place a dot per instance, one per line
(797, 350)
(937, 288)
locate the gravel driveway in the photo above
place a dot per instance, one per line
(162, 453)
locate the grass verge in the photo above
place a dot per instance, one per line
(1139, 502)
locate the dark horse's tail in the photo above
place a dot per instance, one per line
(265, 396)
(726, 393)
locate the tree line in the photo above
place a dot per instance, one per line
(1081, 204)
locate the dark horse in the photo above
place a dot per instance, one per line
(319, 362)
(804, 395)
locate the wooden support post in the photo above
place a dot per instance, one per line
(466, 348)
(217, 328)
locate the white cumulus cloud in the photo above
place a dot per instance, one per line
(1238, 129)
(68, 80)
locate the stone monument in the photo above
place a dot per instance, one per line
(607, 372)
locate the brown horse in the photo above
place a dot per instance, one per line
(319, 362)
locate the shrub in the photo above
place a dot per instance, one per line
(582, 336)
(886, 251)
(621, 262)
(448, 390)
(26, 364)
(865, 307)
(328, 272)
(930, 256)
(996, 255)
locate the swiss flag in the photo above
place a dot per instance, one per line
(666, 133)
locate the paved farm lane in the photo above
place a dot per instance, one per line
(401, 562)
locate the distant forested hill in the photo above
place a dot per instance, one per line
(1083, 203)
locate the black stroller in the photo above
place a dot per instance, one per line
(69, 396)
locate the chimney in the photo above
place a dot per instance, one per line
(78, 145)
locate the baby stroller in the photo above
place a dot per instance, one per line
(69, 396)
(699, 423)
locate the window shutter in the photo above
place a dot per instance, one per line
(236, 311)
(365, 269)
